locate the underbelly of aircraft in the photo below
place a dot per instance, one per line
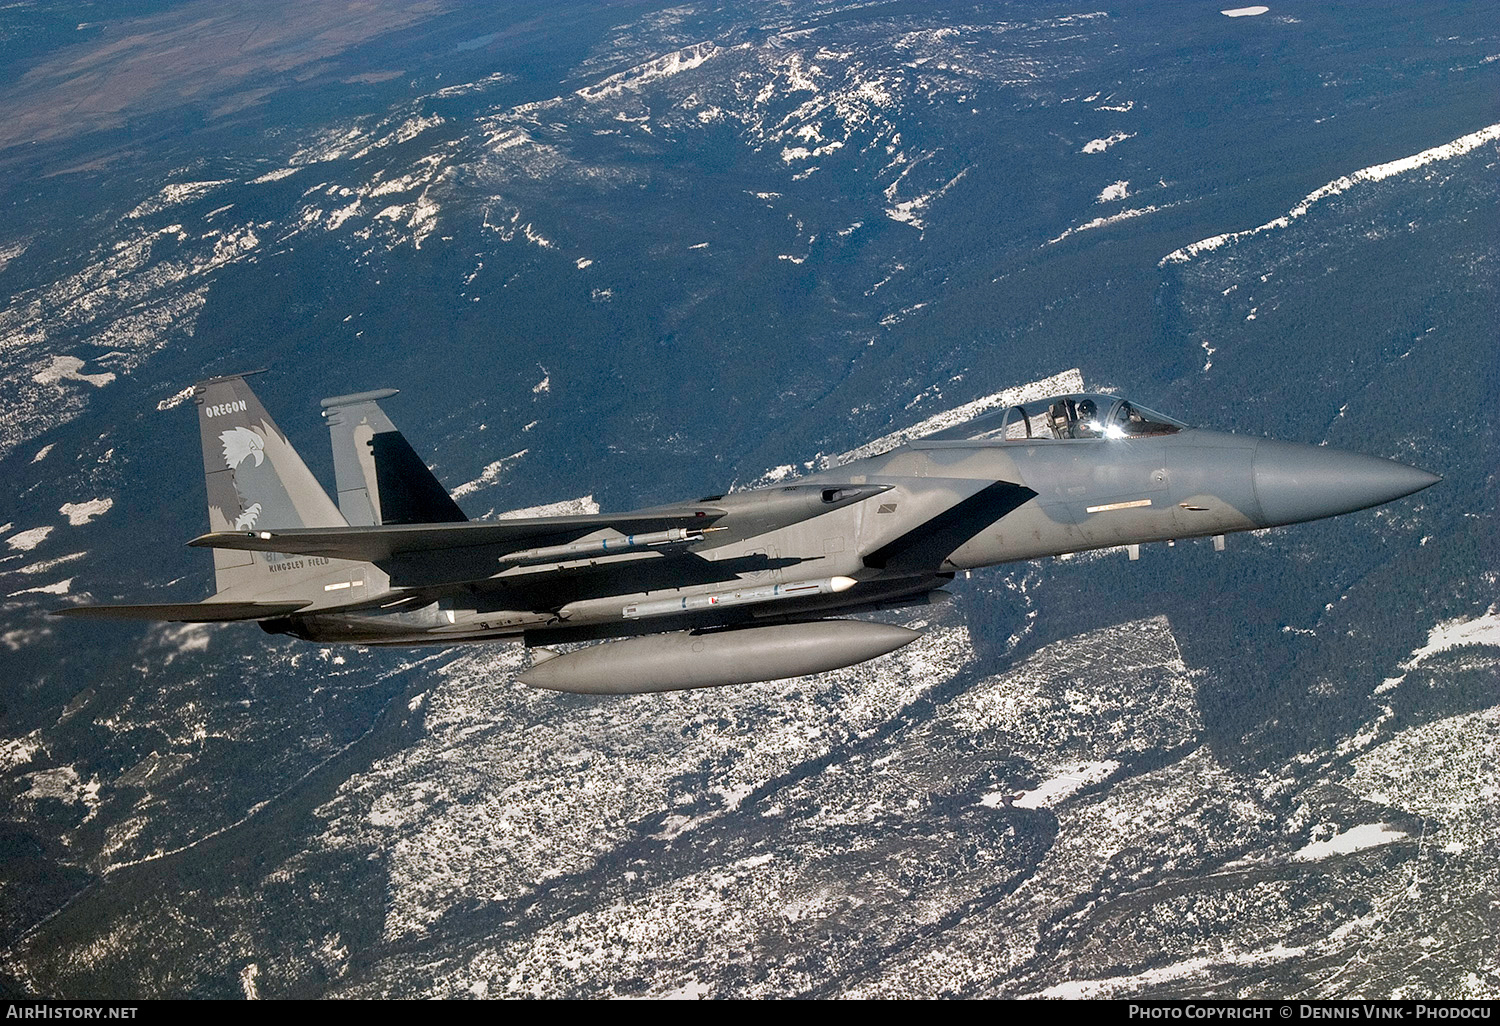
(444, 623)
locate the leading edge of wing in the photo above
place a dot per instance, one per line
(184, 612)
(376, 544)
(927, 545)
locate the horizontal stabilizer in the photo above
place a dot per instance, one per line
(184, 612)
(380, 544)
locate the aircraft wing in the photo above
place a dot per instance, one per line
(184, 612)
(928, 544)
(403, 541)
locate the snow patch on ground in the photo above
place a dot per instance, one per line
(174, 401)
(1068, 781)
(275, 176)
(488, 476)
(1482, 630)
(1118, 191)
(66, 368)
(63, 784)
(791, 153)
(633, 79)
(25, 541)
(465, 88)
(1368, 835)
(19, 751)
(48, 564)
(1100, 222)
(910, 211)
(1379, 172)
(79, 513)
(776, 474)
(581, 506)
(1093, 989)
(248, 977)
(174, 195)
(692, 990)
(1100, 145)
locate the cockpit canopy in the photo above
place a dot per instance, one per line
(1082, 415)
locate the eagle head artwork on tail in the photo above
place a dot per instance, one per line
(263, 498)
(241, 444)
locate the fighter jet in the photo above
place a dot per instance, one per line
(754, 585)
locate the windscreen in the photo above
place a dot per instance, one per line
(1077, 416)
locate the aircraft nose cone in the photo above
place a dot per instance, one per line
(1294, 483)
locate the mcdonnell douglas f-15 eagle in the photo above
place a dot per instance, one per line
(750, 586)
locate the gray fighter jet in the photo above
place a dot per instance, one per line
(727, 589)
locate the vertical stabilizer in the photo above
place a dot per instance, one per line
(255, 480)
(380, 477)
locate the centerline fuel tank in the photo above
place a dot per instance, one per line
(703, 659)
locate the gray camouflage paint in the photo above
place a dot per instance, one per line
(878, 532)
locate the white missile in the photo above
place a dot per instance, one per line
(739, 597)
(605, 546)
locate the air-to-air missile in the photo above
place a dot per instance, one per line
(728, 589)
